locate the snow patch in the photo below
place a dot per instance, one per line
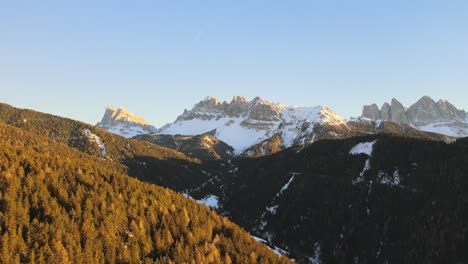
(285, 187)
(227, 129)
(272, 209)
(392, 180)
(211, 201)
(316, 258)
(363, 148)
(126, 131)
(360, 178)
(94, 138)
(378, 123)
(278, 251)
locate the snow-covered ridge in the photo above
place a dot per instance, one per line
(242, 123)
(452, 129)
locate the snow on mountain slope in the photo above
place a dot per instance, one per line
(426, 114)
(300, 120)
(453, 129)
(242, 123)
(121, 122)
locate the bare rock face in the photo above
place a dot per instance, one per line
(424, 111)
(398, 112)
(209, 105)
(212, 108)
(371, 111)
(263, 110)
(266, 147)
(450, 112)
(238, 106)
(386, 112)
(426, 114)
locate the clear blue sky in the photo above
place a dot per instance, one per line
(158, 57)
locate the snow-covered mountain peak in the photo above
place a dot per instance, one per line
(122, 114)
(242, 123)
(122, 122)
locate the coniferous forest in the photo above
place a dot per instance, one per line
(66, 199)
(59, 205)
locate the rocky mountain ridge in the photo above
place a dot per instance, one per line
(426, 114)
(259, 127)
(242, 123)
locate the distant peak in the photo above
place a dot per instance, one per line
(386, 105)
(117, 110)
(239, 99)
(396, 103)
(114, 114)
(259, 100)
(425, 111)
(443, 102)
(427, 99)
(211, 99)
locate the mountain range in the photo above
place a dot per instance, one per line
(259, 127)
(426, 114)
(362, 191)
(67, 196)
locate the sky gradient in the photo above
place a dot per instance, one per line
(156, 58)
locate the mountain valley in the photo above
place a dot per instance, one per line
(357, 190)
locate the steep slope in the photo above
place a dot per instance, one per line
(351, 128)
(59, 205)
(121, 122)
(372, 199)
(426, 114)
(205, 146)
(84, 137)
(141, 159)
(299, 198)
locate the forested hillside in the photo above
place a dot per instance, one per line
(143, 160)
(84, 137)
(404, 201)
(59, 205)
